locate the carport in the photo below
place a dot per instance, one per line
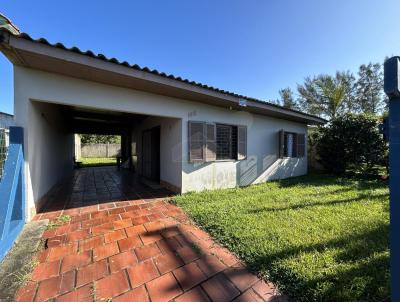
(56, 185)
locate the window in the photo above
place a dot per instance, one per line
(210, 142)
(291, 144)
(225, 141)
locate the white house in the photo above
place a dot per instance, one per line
(186, 135)
(6, 120)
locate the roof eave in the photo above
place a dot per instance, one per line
(46, 57)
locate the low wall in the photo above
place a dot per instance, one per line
(100, 150)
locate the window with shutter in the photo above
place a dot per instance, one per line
(301, 145)
(291, 144)
(211, 143)
(196, 141)
(224, 142)
(241, 142)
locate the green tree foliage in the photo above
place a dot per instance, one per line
(327, 96)
(87, 139)
(287, 99)
(369, 95)
(351, 142)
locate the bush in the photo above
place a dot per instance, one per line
(351, 143)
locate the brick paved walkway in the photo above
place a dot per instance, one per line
(142, 249)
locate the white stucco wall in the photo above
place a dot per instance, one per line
(170, 147)
(262, 163)
(48, 147)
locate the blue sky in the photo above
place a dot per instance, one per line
(250, 47)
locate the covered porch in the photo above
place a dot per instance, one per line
(104, 187)
(148, 168)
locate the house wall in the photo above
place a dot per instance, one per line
(170, 147)
(173, 114)
(48, 147)
(6, 120)
(262, 162)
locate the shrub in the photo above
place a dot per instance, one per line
(351, 143)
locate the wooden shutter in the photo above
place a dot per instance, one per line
(196, 141)
(241, 142)
(301, 145)
(281, 142)
(211, 143)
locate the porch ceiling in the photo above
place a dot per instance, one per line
(85, 120)
(56, 58)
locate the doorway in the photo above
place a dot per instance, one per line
(151, 154)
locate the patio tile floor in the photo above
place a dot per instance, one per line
(138, 247)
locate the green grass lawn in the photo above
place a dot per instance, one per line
(318, 237)
(97, 161)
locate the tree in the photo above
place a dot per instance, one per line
(87, 139)
(326, 95)
(369, 93)
(287, 100)
(351, 142)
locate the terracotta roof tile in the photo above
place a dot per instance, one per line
(154, 71)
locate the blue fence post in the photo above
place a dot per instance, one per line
(12, 192)
(391, 86)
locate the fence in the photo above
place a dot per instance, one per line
(101, 150)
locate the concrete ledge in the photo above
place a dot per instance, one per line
(18, 262)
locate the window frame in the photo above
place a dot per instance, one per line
(230, 142)
(295, 144)
(234, 157)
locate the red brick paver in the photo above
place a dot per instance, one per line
(220, 289)
(139, 249)
(189, 275)
(142, 273)
(111, 286)
(163, 288)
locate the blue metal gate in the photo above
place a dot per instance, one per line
(12, 192)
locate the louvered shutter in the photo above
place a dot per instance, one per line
(281, 142)
(211, 143)
(196, 141)
(241, 142)
(301, 145)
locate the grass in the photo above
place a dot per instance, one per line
(59, 221)
(318, 237)
(97, 161)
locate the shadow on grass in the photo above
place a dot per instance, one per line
(305, 205)
(366, 280)
(322, 180)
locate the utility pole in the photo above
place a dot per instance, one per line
(392, 89)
